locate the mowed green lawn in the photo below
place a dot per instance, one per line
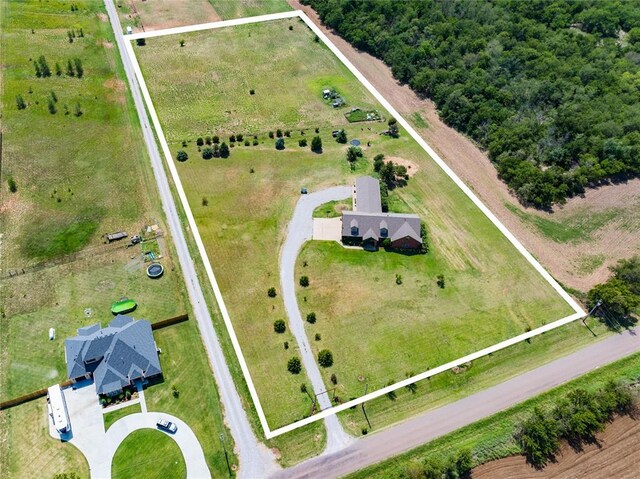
(148, 454)
(242, 206)
(491, 293)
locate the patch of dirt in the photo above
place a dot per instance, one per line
(614, 241)
(161, 14)
(114, 84)
(105, 44)
(616, 455)
(412, 168)
(103, 17)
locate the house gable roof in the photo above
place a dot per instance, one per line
(368, 195)
(126, 351)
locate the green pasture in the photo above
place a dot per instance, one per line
(243, 203)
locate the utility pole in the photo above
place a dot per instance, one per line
(366, 388)
(584, 320)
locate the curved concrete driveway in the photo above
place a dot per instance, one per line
(184, 438)
(299, 231)
(99, 447)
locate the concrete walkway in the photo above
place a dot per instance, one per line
(99, 447)
(299, 231)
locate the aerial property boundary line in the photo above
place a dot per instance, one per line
(409, 129)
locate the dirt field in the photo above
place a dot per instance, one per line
(146, 15)
(581, 262)
(616, 456)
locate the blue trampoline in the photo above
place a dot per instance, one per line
(355, 142)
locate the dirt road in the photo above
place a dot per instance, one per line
(577, 264)
(615, 455)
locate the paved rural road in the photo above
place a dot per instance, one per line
(299, 231)
(255, 459)
(433, 424)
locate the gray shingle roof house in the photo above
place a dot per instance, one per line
(367, 222)
(114, 356)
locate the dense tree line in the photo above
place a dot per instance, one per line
(576, 418)
(551, 89)
(618, 300)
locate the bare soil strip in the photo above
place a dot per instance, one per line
(611, 242)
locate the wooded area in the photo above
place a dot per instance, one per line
(551, 89)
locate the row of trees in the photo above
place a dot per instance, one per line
(617, 301)
(550, 89)
(74, 68)
(576, 418)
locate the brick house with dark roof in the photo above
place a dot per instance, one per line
(114, 356)
(368, 225)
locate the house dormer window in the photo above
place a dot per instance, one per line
(384, 232)
(354, 231)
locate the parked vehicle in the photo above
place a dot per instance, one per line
(167, 425)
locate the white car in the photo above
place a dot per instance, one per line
(167, 425)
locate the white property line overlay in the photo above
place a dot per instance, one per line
(579, 312)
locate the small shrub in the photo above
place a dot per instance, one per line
(271, 135)
(207, 140)
(317, 130)
(302, 143)
(256, 142)
(182, 43)
(279, 133)
(239, 137)
(294, 366)
(318, 337)
(341, 137)
(13, 187)
(311, 318)
(175, 392)
(287, 134)
(58, 69)
(200, 141)
(20, 103)
(440, 281)
(182, 156)
(279, 144)
(207, 153)
(224, 150)
(78, 110)
(141, 42)
(184, 143)
(304, 281)
(364, 429)
(316, 144)
(290, 27)
(215, 139)
(334, 379)
(246, 143)
(279, 326)
(232, 139)
(205, 201)
(303, 388)
(286, 345)
(78, 65)
(271, 292)
(252, 92)
(391, 394)
(398, 279)
(325, 358)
